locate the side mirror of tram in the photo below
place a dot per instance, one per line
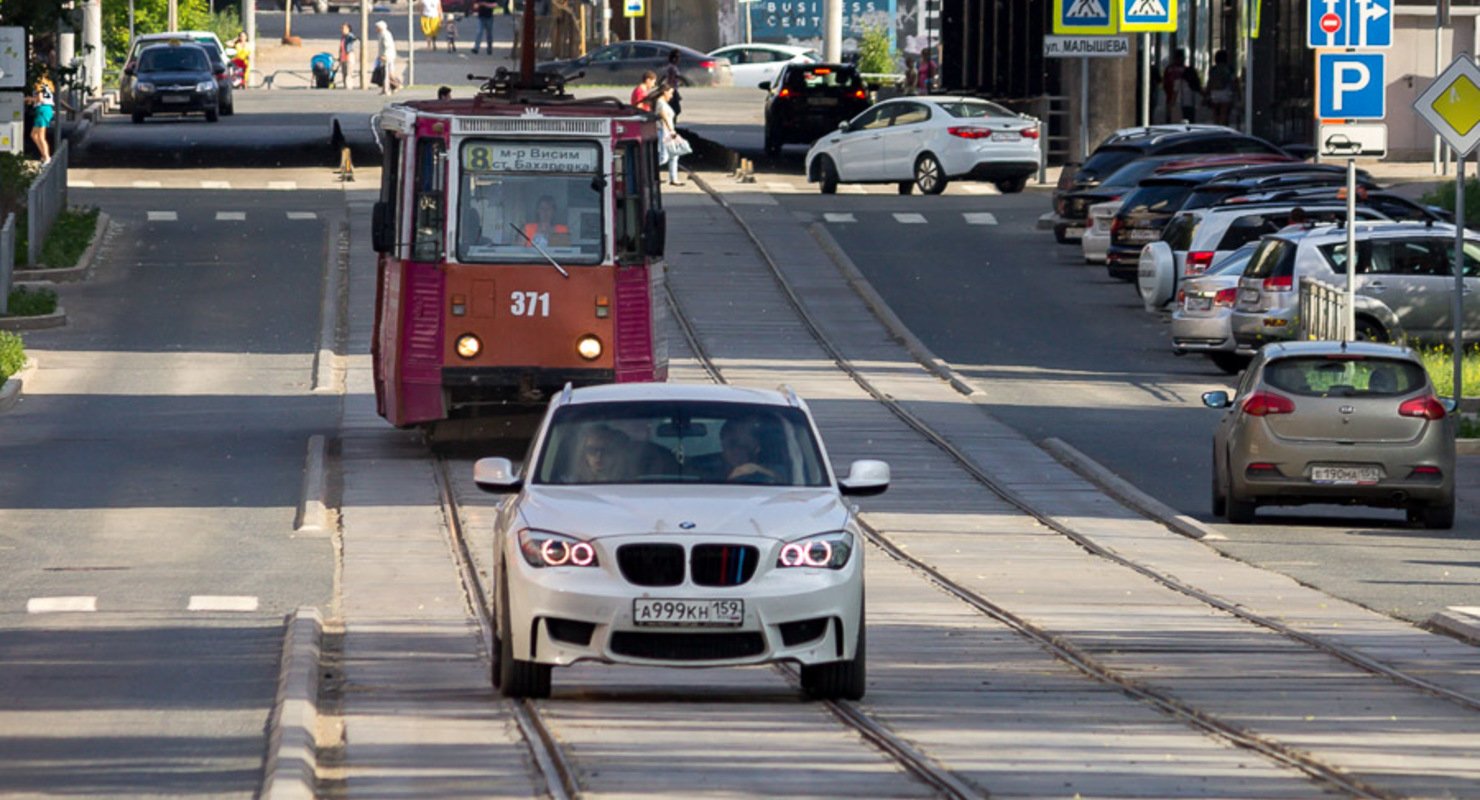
(654, 232)
(382, 227)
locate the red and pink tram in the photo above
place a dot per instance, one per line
(520, 234)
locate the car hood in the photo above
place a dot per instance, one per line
(763, 511)
(175, 77)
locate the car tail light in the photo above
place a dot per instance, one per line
(1280, 283)
(968, 132)
(1198, 262)
(1261, 404)
(785, 92)
(1226, 297)
(708, 64)
(1427, 407)
(1261, 467)
(860, 94)
(1029, 133)
(1426, 471)
(822, 71)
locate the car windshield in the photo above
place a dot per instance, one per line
(172, 59)
(518, 198)
(1344, 376)
(975, 109)
(664, 442)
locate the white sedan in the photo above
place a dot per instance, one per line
(928, 141)
(757, 63)
(678, 525)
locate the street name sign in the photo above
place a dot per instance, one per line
(1350, 23)
(1086, 46)
(1351, 85)
(1357, 140)
(1451, 105)
(1142, 16)
(1092, 17)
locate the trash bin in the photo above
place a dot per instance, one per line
(323, 70)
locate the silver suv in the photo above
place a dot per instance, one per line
(1202, 236)
(1404, 284)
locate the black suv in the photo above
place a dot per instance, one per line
(809, 100)
(174, 78)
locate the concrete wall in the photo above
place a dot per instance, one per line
(1111, 96)
(1410, 70)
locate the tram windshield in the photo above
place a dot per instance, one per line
(517, 194)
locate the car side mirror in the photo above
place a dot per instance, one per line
(1449, 405)
(1218, 399)
(764, 85)
(496, 475)
(655, 232)
(843, 126)
(865, 479)
(383, 227)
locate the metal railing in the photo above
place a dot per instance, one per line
(45, 200)
(1322, 311)
(7, 261)
(1053, 109)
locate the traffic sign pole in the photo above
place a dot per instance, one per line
(1457, 305)
(1351, 250)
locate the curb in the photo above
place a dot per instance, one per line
(10, 390)
(1126, 493)
(1459, 621)
(1467, 447)
(313, 509)
(84, 262)
(55, 319)
(291, 769)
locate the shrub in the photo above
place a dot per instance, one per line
(12, 354)
(1439, 361)
(874, 51)
(69, 237)
(1443, 196)
(25, 302)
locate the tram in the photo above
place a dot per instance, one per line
(520, 236)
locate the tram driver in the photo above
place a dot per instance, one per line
(544, 231)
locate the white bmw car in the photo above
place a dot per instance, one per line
(758, 62)
(927, 142)
(678, 525)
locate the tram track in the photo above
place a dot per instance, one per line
(1084, 662)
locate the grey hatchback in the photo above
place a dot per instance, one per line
(1333, 422)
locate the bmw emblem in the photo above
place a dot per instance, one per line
(688, 526)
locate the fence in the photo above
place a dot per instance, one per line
(7, 261)
(1322, 311)
(46, 199)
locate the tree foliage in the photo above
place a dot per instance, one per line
(153, 16)
(875, 54)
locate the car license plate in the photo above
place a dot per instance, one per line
(822, 101)
(703, 613)
(175, 98)
(1006, 136)
(1345, 475)
(1073, 233)
(1142, 235)
(1198, 304)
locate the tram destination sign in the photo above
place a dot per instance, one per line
(529, 157)
(1086, 46)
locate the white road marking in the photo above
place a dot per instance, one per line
(215, 184)
(146, 184)
(163, 216)
(910, 219)
(212, 602)
(780, 187)
(231, 216)
(979, 188)
(286, 186)
(980, 218)
(839, 218)
(81, 184)
(302, 215)
(852, 188)
(52, 605)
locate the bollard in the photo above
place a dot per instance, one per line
(346, 166)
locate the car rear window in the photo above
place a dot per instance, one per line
(1131, 173)
(1211, 194)
(1162, 198)
(1275, 258)
(1345, 376)
(1178, 233)
(170, 59)
(1108, 159)
(975, 109)
(823, 78)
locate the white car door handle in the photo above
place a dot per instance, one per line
(1378, 286)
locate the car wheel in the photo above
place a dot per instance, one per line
(1013, 185)
(137, 116)
(1231, 363)
(1436, 517)
(213, 115)
(839, 680)
(228, 109)
(1369, 330)
(906, 187)
(928, 174)
(512, 677)
(1239, 510)
(1220, 500)
(827, 176)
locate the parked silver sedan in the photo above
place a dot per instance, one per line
(1200, 319)
(1330, 422)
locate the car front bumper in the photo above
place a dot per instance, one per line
(174, 102)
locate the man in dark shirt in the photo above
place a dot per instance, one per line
(485, 24)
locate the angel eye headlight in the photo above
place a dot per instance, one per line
(549, 549)
(823, 551)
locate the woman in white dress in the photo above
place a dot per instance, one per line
(669, 135)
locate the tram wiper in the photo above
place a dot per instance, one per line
(547, 256)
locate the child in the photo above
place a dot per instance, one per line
(451, 26)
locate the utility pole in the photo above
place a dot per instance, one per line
(832, 31)
(174, 15)
(364, 36)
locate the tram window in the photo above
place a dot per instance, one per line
(431, 199)
(629, 203)
(385, 215)
(519, 198)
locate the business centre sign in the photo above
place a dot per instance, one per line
(789, 20)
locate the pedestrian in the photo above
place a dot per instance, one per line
(484, 10)
(431, 21)
(1222, 87)
(673, 78)
(347, 44)
(44, 97)
(450, 24)
(386, 65)
(1180, 85)
(643, 93)
(670, 144)
(243, 48)
(911, 73)
(444, 93)
(926, 72)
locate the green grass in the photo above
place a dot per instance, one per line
(26, 302)
(1439, 361)
(69, 237)
(12, 354)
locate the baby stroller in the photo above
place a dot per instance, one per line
(322, 66)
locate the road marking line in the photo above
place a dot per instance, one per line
(81, 184)
(286, 186)
(163, 216)
(214, 602)
(839, 218)
(231, 216)
(215, 184)
(852, 188)
(910, 219)
(780, 187)
(980, 218)
(52, 605)
(146, 184)
(302, 215)
(977, 188)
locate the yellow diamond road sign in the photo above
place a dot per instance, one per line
(1451, 105)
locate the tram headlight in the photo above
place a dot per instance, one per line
(469, 346)
(589, 347)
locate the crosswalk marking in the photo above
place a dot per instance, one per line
(980, 218)
(163, 216)
(979, 188)
(231, 216)
(839, 217)
(52, 605)
(780, 187)
(302, 215)
(852, 188)
(215, 184)
(910, 219)
(209, 602)
(286, 186)
(147, 184)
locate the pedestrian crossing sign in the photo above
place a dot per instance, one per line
(1144, 16)
(1085, 16)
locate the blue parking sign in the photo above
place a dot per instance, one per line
(1351, 85)
(1085, 16)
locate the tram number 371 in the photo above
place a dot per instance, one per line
(529, 304)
